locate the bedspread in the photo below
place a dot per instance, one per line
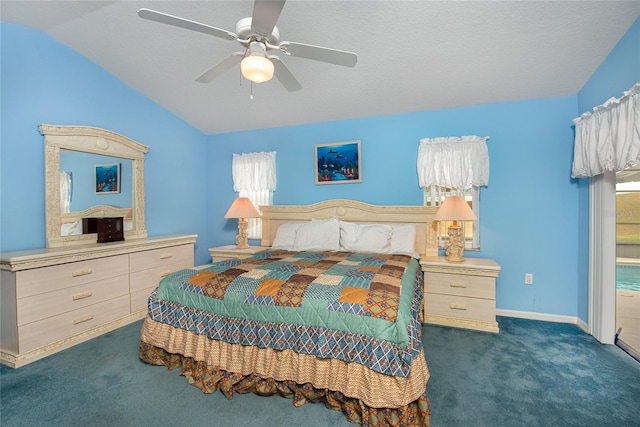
(351, 306)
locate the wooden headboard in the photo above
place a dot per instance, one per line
(354, 211)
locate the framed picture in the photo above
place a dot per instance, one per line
(338, 163)
(107, 178)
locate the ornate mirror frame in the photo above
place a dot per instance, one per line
(97, 141)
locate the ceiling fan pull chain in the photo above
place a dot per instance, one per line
(251, 96)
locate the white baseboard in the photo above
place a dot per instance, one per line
(544, 317)
(582, 325)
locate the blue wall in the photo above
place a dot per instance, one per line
(617, 73)
(44, 81)
(534, 217)
(532, 212)
(530, 204)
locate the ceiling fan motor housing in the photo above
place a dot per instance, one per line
(244, 32)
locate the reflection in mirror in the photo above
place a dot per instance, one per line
(71, 185)
(83, 194)
(66, 188)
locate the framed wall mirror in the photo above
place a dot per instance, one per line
(80, 182)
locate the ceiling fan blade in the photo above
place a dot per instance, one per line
(220, 67)
(265, 15)
(284, 75)
(318, 53)
(164, 18)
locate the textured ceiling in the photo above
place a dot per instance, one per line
(412, 55)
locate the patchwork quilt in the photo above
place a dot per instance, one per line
(352, 306)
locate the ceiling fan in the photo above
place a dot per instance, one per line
(258, 35)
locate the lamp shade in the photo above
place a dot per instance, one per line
(242, 208)
(455, 208)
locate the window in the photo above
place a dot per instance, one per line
(254, 177)
(434, 196)
(454, 166)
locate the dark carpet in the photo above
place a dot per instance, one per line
(531, 374)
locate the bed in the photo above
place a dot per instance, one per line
(313, 317)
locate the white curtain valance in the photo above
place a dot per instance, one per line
(454, 162)
(609, 138)
(254, 171)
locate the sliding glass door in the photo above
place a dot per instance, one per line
(628, 260)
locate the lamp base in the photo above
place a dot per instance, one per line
(455, 245)
(241, 238)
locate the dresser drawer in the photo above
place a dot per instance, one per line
(140, 299)
(150, 278)
(457, 284)
(46, 331)
(47, 279)
(48, 304)
(168, 257)
(461, 307)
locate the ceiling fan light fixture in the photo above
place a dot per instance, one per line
(256, 68)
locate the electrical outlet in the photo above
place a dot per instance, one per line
(528, 279)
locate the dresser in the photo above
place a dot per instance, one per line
(222, 253)
(460, 294)
(55, 298)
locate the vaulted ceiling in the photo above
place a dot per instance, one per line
(412, 55)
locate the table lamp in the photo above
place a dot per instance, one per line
(242, 208)
(455, 208)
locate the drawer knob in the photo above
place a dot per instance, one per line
(82, 295)
(165, 273)
(457, 285)
(454, 306)
(83, 319)
(165, 256)
(84, 272)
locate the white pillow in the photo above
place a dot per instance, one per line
(374, 238)
(286, 236)
(318, 235)
(403, 239)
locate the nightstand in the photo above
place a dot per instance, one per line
(222, 253)
(461, 294)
